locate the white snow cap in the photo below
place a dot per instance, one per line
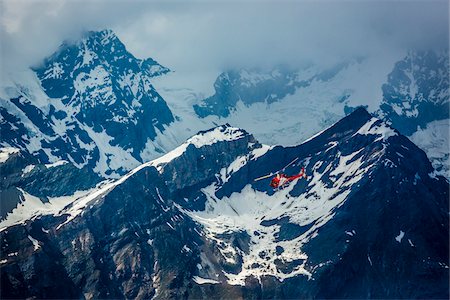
(218, 134)
(377, 127)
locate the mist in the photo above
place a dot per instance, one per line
(215, 35)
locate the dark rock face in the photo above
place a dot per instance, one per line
(101, 108)
(112, 252)
(394, 199)
(143, 238)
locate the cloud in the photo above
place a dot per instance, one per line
(202, 35)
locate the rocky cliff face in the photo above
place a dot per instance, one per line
(369, 221)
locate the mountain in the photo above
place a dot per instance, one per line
(416, 101)
(370, 221)
(417, 91)
(91, 103)
(254, 85)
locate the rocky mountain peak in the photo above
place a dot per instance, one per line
(94, 105)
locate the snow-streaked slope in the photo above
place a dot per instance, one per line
(417, 91)
(221, 133)
(32, 207)
(261, 215)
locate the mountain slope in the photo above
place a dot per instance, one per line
(370, 221)
(91, 103)
(30, 188)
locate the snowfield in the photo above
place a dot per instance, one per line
(251, 211)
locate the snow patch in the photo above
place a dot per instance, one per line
(246, 211)
(399, 237)
(56, 164)
(376, 127)
(27, 169)
(35, 243)
(32, 207)
(369, 259)
(6, 152)
(111, 157)
(200, 280)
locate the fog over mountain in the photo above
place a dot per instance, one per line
(213, 35)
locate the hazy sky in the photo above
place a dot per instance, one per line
(202, 35)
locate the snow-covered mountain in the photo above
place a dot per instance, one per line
(279, 106)
(255, 85)
(91, 103)
(417, 91)
(369, 221)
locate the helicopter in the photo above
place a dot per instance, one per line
(281, 180)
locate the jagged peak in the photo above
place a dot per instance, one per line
(372, 125)
(104, 37)
(224, 132)
(103, 44)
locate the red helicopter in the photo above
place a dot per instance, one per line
(281, 180)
